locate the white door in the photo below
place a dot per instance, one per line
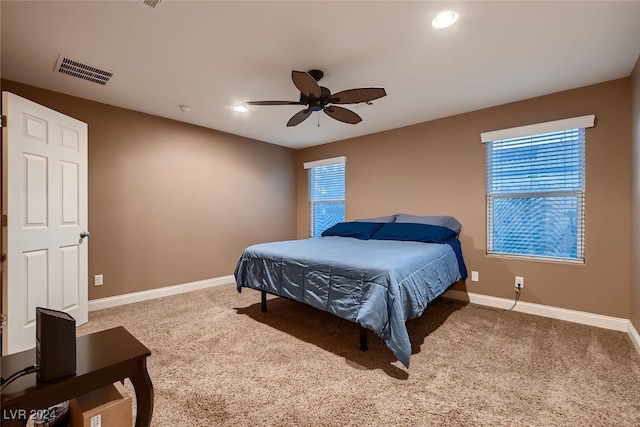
(44, 179)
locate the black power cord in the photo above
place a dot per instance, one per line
(517, 298)
(28, 370)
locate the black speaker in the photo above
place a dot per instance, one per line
(55, 344)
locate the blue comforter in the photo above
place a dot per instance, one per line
(379, 284)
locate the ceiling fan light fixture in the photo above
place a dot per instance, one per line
(240, 109)
(444, 19)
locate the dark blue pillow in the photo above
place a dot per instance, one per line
(414, 232)
(359, 230)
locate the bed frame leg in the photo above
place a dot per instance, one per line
(264, 301)
(363, 338)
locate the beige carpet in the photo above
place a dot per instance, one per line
(218, 361)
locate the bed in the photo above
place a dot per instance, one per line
(376, 274)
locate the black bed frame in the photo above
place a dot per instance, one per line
(363, 330)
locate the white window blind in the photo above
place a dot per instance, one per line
(536, 193)
(326, 194)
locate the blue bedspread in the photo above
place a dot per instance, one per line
(379, 284)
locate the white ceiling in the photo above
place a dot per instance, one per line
(212, 55)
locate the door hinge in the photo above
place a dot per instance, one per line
(4, 220)
(3, 121)
(3, 321)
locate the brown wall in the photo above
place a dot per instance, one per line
(635, 199)
(438, 167)
(172, 203)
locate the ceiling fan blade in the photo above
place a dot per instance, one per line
(343, 115)
(354, 96)
(299, 117)
(306, 84)
(274, 103)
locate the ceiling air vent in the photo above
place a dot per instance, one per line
(151, 3)
(83, 71)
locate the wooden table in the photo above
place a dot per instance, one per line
(102, 359)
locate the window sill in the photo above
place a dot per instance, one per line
(537, 259)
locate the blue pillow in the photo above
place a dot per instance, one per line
(414, 232)
(359, 230)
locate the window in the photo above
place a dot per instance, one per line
(536, 190)
(326, 193)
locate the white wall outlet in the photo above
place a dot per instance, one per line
(519, 283)
(98, 280)
(475, 276)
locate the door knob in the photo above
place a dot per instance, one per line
(84, 234)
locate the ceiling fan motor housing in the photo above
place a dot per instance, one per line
(317, 104)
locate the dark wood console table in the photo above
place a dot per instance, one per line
(102, 359)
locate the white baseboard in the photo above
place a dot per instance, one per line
(583, 317)
(98, 304)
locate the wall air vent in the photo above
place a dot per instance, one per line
(83, 71)
(151, 3)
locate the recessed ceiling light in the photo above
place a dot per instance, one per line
(185, 108)
(240, 108)
(445, 19)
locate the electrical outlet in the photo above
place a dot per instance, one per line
(98, 280)
(519, 283)
(475, 276)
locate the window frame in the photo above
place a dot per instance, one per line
(533, 131)
(312, 169)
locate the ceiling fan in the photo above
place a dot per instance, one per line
(318, 98)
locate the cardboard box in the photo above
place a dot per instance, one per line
(109, 406)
